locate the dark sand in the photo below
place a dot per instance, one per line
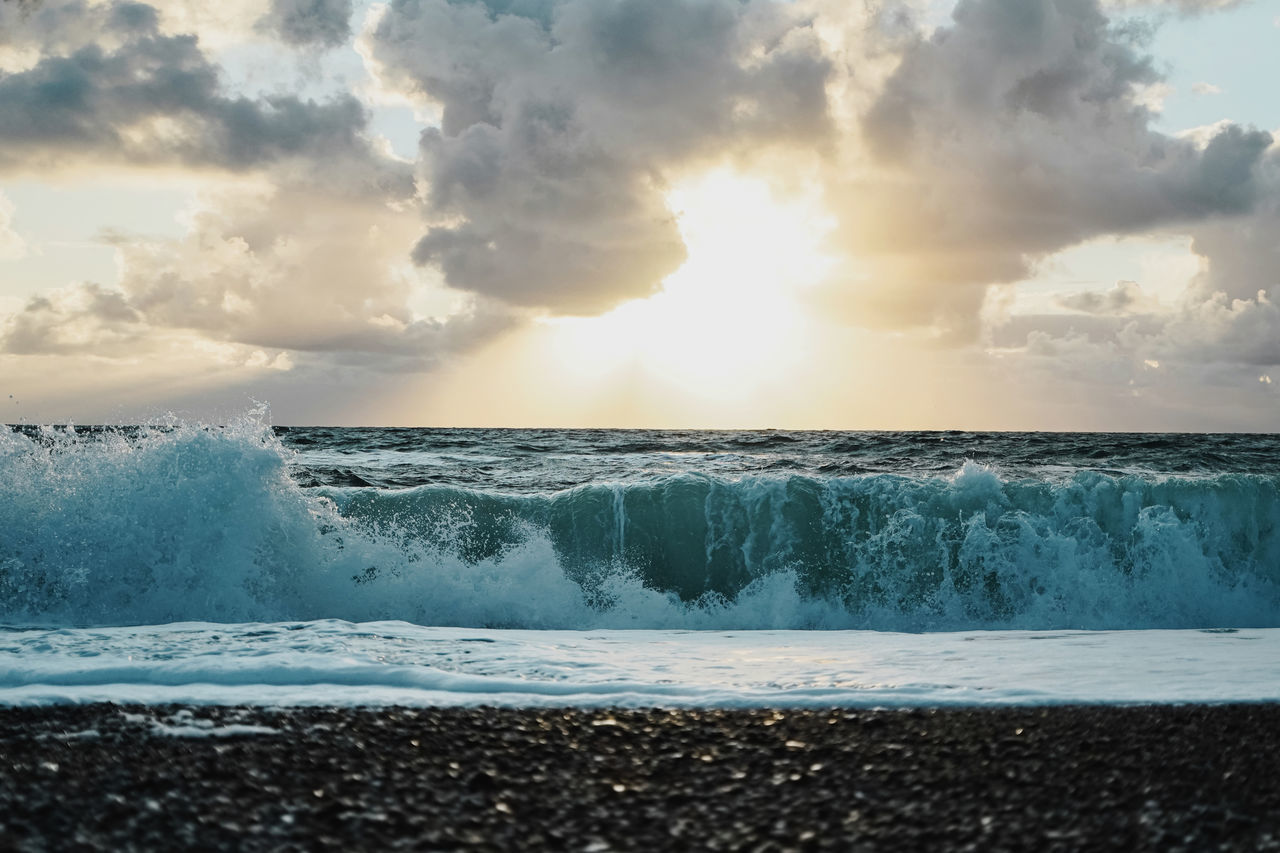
(1077, 778)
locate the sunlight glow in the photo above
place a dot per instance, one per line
(728, 320)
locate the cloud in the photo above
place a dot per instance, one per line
(12, 246)
(1193, 366)
(1242, 253)
(564, 120)
(1203, 88)
(84, 318)
(1209, 345)
(60, 25)
(110, 87)
(305, 259)
(1222, 330)
(953, 159)
(1007, 136)
(1183, 7)
(280, 269)
(1216, 330)
(1127, 297)
(1193, 7)
(322, 23)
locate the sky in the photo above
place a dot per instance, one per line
(815, 214)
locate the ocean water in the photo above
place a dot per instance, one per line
(245, 563)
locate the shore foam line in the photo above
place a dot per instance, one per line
(332, 662)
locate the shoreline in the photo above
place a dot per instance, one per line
(1010, 778)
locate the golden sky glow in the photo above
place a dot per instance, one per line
(683, 213)
(729, 321)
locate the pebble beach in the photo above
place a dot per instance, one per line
(118, 777)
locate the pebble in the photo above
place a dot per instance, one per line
(1061, 778)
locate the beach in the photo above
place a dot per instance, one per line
(331, 638)
(102, 776)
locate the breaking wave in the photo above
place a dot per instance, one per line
(207, 524)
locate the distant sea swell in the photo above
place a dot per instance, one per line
(218, 524)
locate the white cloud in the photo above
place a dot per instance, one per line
(1201, 135)
(1152, 95)
(259, 359)
(278, 269)
(1203, 88)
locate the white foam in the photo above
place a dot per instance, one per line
(235, 730)
(340, 663)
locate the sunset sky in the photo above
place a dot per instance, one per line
(991, 214)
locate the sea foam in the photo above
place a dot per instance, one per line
(392, 663)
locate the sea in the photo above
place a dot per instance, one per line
(246, 563)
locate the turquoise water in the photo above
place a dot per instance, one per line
(638, 529)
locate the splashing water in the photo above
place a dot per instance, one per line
(566, 529)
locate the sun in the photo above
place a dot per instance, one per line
(730, 320)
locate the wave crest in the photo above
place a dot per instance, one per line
(193, 523)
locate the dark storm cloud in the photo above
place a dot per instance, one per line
(1016, 132)
(135, 95)
(324, 23)
(1243, 254)
(562, 122)
(1025, 112)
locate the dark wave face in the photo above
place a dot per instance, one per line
(553, 528)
